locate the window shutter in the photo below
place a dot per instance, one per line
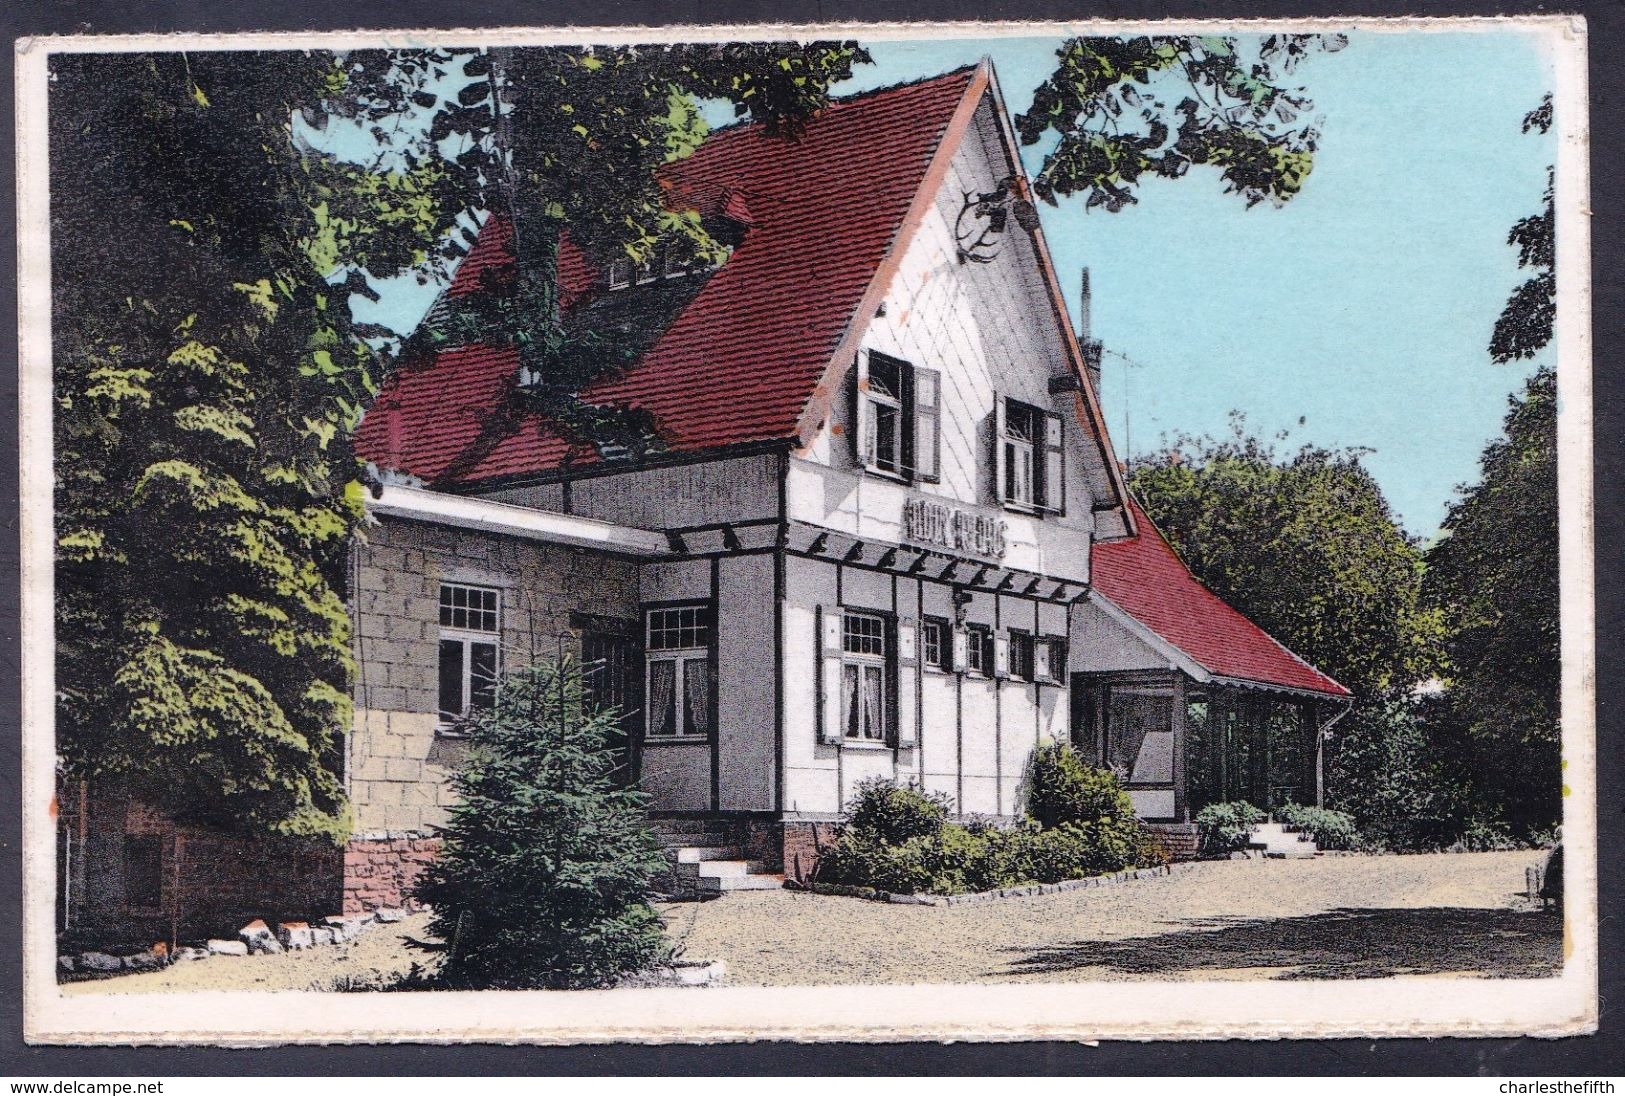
(905, 722)
(961, 657)
(1054, 481)
(928, 425)
(829, 674)
(998, 447)
(1001, 656)
(860, 412)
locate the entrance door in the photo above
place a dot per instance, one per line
(610, 661)
(1084, 706)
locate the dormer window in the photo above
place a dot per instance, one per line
(620, 273)
(896, 418)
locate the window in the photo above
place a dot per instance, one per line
(1020, 433)
(936, 645)
(1049, 660)
(1028, 471)
(678, 687)
(897, 417)
(620, 273)
(1021, 655)
(648, 272)
(864, 669)
(979, 650)
(470, 638)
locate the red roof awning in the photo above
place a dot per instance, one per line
(1143, 576)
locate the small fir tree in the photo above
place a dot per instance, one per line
(545, 869)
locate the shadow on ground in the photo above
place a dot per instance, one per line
(1342, 943)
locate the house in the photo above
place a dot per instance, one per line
(885, 533)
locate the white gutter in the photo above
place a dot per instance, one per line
(469, 512)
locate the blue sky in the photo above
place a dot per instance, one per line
(1362, 306)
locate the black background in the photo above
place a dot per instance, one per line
(1595, 1055)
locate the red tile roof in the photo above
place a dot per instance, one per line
(741, 361)
(1144, 576)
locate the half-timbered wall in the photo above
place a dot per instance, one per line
(968, 736)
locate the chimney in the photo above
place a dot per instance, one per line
(1089, 346)
(392, 435)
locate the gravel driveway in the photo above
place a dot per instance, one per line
(1334, 917)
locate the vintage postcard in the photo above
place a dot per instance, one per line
(966, 531)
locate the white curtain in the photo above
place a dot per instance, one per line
(873, 697)
(697, 692)
(849, 692)
(662, 715)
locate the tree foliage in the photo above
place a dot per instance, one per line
(1493, 573)
(208, 372)
(542, 876)
(207, 376)
(1303, 544)
(1123, 108)
(1493, 576)
(1525, 324)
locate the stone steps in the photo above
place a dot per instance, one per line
(1278, 842)
(750, 882)
(696, 854)
(719, 869)
(706, 859)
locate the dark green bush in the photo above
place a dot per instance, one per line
(1329, 829)
(546, 862)
(860, 859)
(1062, 788)
(1227, 827)
(898, 839)
(895, 813)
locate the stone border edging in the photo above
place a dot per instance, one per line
(977, 898)
(255, 938)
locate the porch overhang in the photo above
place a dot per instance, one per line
(469, 512)
(1198, 673)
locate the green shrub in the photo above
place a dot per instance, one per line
(1227, 827)
(899, 839)
(1487, 835)
(859, 859)
(953, 860)
(895, 813)
(1062, 788)
(546, 860)
(1328, 829)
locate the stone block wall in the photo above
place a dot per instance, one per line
(398, 764)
